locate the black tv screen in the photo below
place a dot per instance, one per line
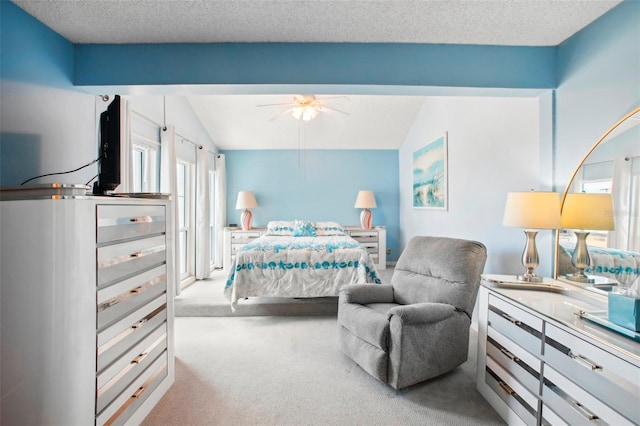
(109, 147)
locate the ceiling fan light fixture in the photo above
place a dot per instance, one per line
(305, 112)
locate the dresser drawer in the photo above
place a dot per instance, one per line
(244, 237)
(120, 222)
(574, 405)
(372, 248)
(235, 248)
(113, 380)
(515, 324)
(125, 404)
(120, 261)
(520, 364)
(517, 397)
(590, 367)
(364, 236)
(123, 297)
(118, 338)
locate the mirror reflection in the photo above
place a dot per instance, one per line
(591, 249)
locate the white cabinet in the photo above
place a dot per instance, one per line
(539, 363)
(87, 312)
(374, 240)
(234, 240)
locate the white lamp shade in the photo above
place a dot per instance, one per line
(532, 210)
(246, 200)
(588, 211)
(365, 200)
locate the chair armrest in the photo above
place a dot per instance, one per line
(364, 294)
(422, 313)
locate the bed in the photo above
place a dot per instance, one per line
(299, 259)
(622, 266)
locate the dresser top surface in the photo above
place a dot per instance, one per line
(562, 305)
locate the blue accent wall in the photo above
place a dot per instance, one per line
(31, 52)
(599, 82)
(317, 63)
(318, 185)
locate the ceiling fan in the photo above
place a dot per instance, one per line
(307, 107)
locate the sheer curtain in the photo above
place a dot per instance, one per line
(202, 214)
(220, 206)
(169, 185)
(621, 190)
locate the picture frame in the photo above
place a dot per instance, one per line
(430, 188)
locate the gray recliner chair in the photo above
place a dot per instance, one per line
(416, 328)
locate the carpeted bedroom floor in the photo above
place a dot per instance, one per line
(289, 370)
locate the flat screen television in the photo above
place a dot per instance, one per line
(109, 149)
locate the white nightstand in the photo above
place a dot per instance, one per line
(234, 240)
(374, 240)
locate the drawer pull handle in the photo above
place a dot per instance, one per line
(136, 290)
(139, 358)
(139, 324)
(509, 355)
(586, 413)
(507, 388)
(137, 254)
(511, 319)
(139, 219)
(585, 362)
(139, 392)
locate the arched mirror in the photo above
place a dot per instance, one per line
(604, 186)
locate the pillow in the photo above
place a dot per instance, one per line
(329, 228)
(304, 228)
(280, 227)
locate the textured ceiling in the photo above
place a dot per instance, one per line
(493, 22)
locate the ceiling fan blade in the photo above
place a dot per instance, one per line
(266, 105)
(325, 108)
(335, 97)
(275, 117)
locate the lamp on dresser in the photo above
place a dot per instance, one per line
(365, 201)
(533, 210)
(246, 201)
(584, 213)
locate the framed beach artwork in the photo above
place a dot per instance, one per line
(430, 175)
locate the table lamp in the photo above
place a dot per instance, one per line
(532, 211)
(583, 213)
(246, 201)
(365, 201)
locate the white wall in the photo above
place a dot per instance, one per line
(46, 130)
(496, 145)
(179, 114)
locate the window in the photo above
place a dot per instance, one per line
(145, 154)
(212, 220)
(185, 185)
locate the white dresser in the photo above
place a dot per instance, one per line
(234, 240)
(87, 312)
(374, 240)
(540, 363)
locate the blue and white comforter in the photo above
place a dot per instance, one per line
(284, 266)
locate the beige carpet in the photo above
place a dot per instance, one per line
(290, 371)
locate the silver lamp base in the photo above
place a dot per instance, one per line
(529, 278)
(580, 277)
(530, 258)
(581, 259)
